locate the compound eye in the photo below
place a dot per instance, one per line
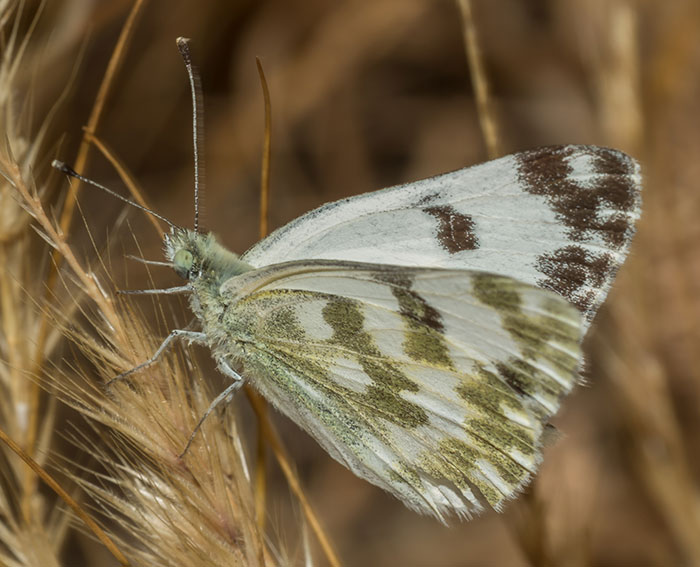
(182, 263)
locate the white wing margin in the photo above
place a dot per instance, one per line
(433, 384)
(561, 218)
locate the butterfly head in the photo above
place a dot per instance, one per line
(183, 250)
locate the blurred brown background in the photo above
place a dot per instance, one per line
(367, 94)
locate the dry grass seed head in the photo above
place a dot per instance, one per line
(192, 510)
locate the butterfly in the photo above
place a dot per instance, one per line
(423, 334)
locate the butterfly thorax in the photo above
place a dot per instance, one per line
(201, 260)
(196, 256)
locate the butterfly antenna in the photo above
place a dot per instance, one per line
(64, 168)
(183, 45)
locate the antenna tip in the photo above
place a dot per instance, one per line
(62, 167)
(183, 45)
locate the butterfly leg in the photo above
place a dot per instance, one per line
(224, 396)
(166, 291)
(191, 336)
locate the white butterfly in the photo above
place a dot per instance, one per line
(412, 331)
(424, 334)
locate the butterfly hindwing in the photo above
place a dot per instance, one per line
(434, 384)
(561, 218)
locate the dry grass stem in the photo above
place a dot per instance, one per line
(484, 103)
(27, 535)
(113, 66)
(261, 455)
(266, 156)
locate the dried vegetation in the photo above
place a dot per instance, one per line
(364, 94)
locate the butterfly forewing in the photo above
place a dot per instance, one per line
(561, 218)
(434, 384)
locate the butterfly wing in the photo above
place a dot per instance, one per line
(561, 218)
(434, 384)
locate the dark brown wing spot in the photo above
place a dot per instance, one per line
(569, 270)
(456, 231)
(610, 186)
